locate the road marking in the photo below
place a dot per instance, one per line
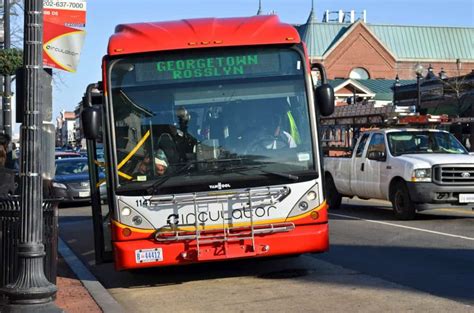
(403, 226)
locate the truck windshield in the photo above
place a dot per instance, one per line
(210, 115)
(423, 142)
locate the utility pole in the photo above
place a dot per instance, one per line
(31, 291)
(471, 124)
(6, 98)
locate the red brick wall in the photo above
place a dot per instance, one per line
(360, 49)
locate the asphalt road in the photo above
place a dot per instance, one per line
(375, 264)
(433, 253)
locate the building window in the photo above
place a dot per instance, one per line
(359, 73)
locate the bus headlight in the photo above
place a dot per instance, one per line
(131, 217)
(137, 220)
(303, 205)
(308, 201)
(421, 175)
(126, 211)
(310, 196)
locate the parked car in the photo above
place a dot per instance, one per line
(415, 169)
(65, 155)
(71, 180)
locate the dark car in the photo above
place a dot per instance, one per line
(66, 154)
(71, 180)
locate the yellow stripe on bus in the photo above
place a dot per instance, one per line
(138, 230)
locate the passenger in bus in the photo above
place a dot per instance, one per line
(160, 165)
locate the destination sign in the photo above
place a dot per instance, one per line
(209, 67)
(206, 65)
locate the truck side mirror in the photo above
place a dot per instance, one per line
(91, 122)
(324, 93)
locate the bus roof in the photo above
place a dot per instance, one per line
(200, 33)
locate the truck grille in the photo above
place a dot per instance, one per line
(454, 174)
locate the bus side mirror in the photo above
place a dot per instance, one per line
(91, 118)
(324, 93)
(91, 113)
(324, 96)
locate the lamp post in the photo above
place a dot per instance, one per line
(6, 98)
(419, 74)
(395, 89)
(442, 74)
(31, 291)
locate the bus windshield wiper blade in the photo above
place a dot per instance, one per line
(284, 175)
(242, 169)
(163, 179)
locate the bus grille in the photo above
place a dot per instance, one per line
(453, 174)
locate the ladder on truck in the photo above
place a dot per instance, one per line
(341, 129)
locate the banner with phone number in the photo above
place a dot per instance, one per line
(70, 13)
(64, 21)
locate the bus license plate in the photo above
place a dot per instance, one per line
(149, 255)
(466, 197)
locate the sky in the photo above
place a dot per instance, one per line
(104, 15)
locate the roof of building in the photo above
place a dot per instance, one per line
(404, 42)
(382, 88)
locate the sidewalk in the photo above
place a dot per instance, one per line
(72, 296)
(78, 290)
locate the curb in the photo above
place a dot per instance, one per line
(101, 296)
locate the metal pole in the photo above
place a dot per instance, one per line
(471, 139)
(6, 99)
(418, 93)
(31, 292)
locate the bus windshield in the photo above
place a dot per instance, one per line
(211, 116)
(415, 142)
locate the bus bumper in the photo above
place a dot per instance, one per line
(302, 239)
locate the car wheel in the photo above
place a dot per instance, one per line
(403, 207)
(334, 198)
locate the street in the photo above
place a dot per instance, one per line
(375, 263)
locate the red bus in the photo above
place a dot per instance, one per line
(211, 138)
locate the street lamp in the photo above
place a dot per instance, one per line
(395, 89)
(442, 74)
(419, 74)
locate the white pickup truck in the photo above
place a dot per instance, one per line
(415, 169)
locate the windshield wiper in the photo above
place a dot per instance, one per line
(242, 169)
(163, 179)
(284, 175)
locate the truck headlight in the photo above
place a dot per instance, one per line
(421, 175)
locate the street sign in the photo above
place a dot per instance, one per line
(62, 46)
(70, 13)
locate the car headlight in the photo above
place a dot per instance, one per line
(59, 185)
(421, 175)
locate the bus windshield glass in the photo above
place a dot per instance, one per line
(202, 117)
(423, 142)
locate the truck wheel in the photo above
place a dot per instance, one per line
(334, 198)
(403, 207)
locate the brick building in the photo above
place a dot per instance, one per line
(360, 50)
